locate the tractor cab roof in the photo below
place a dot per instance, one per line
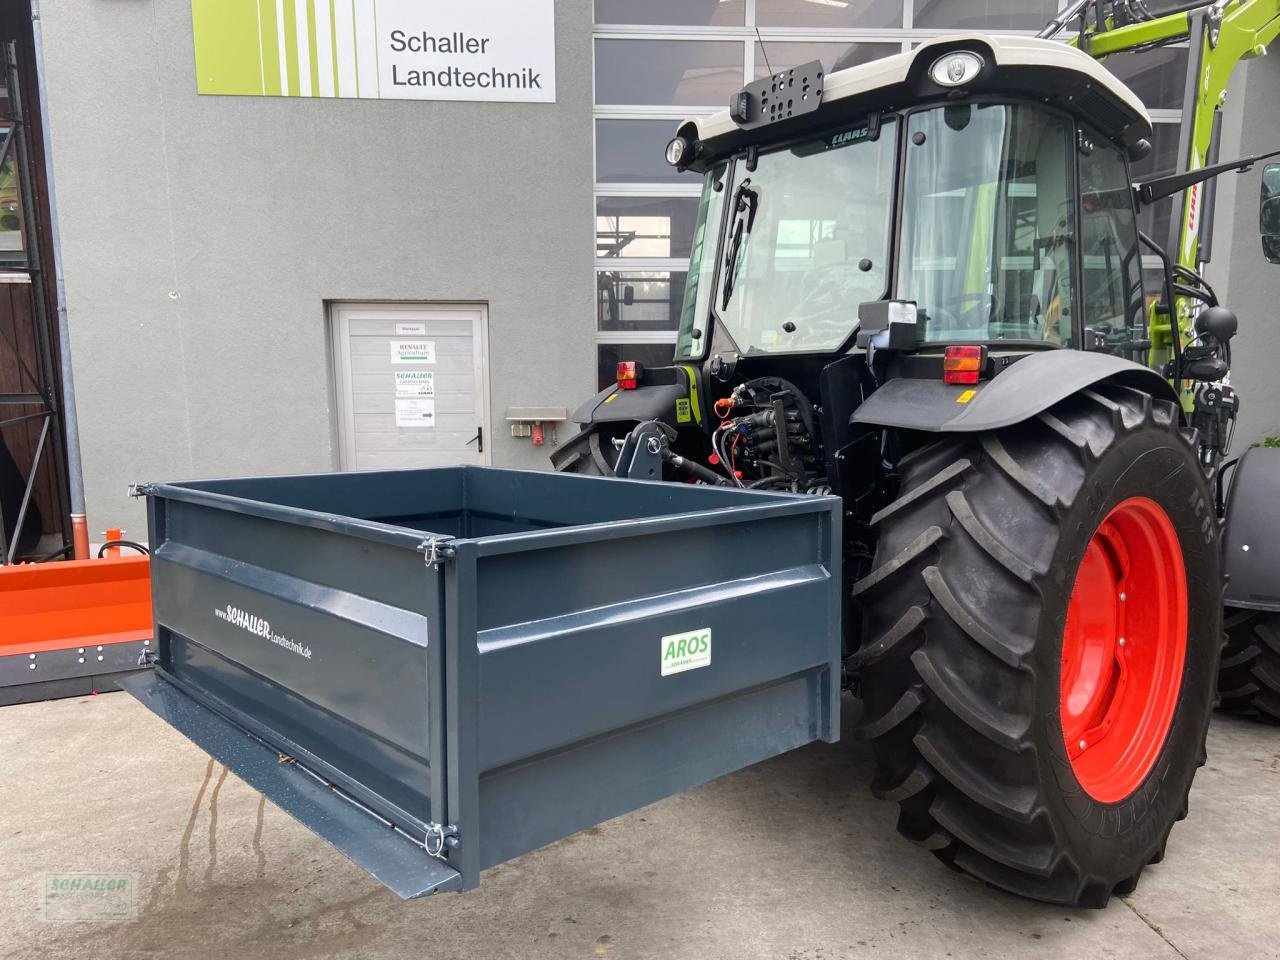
(1009, 67)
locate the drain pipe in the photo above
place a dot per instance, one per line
(71, 425)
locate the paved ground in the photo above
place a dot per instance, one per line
(790, 860)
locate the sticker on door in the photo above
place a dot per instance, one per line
(413, 351)
(415, 383)
(416, 412)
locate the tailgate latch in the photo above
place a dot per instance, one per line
(440, 836)
(436, 551)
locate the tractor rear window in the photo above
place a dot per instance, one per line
(808, 240)
(987, 245)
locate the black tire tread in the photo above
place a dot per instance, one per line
(1249, 678)
(934, 730)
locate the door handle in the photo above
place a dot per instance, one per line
(478, 440)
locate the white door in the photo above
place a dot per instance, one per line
(411, 384)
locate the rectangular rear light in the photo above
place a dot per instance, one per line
(628, 375)
(963, 364)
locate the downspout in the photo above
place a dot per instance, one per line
(71, 425)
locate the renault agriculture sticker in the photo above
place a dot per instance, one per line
(686, 651)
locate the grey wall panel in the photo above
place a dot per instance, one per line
(202, 237)
(1253, 289)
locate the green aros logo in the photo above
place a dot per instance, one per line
(686, 651)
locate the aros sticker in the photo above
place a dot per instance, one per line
(686, 651)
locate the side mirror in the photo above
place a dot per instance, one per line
(1269, 212)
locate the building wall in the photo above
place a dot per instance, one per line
(202, 237)
(1253, 285)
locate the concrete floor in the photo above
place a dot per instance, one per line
(791, 859)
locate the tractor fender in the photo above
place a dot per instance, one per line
(676, 404)
(1025, 388)
(612, 405)
(1251, 541)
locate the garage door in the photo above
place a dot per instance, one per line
(410, 384)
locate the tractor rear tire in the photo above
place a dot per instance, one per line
(992, 539)
(591, 453)
(1249, 680)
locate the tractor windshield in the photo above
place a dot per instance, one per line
(987, 245)
(808, 241)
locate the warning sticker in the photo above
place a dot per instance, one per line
(415, 383)
(686, 651)
(418, 412)
(413, 351)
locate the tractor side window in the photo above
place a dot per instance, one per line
(988, 251)
(702, 267)
(1112, 299)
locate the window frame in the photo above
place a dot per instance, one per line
(1073, 176)
(1079, 320)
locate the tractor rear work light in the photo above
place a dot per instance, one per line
(956, 69)
(963, 364)
(628, 375)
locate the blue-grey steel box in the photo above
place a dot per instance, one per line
(438, 670)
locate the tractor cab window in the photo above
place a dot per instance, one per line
(807, 241)
(987, 248)
(1112, 298)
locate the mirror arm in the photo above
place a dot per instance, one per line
(1149, 191)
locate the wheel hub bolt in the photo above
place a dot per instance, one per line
(1083, 744)
(1124, 597)
(1120, 641)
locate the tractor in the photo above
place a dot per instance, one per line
(917, 283)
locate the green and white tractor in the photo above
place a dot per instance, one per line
(918, 283)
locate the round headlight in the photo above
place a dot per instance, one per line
(956, 69)
(677, 150)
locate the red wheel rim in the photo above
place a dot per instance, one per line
(1123, 649)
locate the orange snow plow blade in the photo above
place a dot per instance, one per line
(65, 627)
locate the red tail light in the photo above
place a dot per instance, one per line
(628, 375)
(963, 364)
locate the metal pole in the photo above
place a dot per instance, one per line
(26, 494)
(71, 426)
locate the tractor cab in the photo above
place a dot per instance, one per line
(984, 180)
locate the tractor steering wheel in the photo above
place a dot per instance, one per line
(950, 315)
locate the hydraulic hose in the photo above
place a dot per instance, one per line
(697, 469)
(122, 543)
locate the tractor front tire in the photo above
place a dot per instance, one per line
(1008, 572)
(1249, 680)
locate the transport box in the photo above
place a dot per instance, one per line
(439, 670)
